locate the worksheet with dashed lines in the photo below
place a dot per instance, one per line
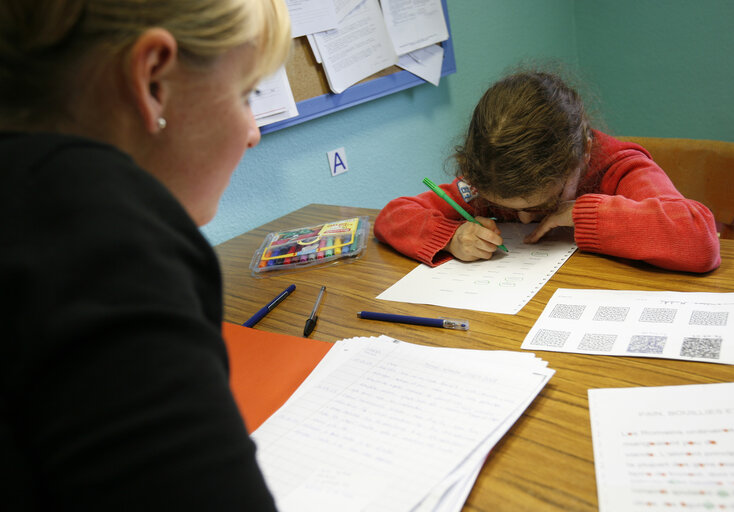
(503, 284)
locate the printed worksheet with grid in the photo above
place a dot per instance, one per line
(672, 325)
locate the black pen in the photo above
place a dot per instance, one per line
(311, 322)
(264, 311)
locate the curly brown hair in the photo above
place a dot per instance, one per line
(528, 131)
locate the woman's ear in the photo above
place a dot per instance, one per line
(151, 60)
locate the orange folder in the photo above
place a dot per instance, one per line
(266, 368)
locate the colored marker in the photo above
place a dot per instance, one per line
(264, 258)
(264, 311)
(446, 323)
(443, 195)
(273, 257)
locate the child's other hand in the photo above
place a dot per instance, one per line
(473, 242)
(561, 217)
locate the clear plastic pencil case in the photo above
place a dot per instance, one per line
(311, 246)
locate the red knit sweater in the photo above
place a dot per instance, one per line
(626, 206)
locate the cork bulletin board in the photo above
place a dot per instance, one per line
(314, 98)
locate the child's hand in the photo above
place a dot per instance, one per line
(474, 242)
(561, 217)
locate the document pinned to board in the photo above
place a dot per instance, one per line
(414, 24)
(503, 284)
(309, 16)
(359, 47)
(664, 448)
(692, 326)
(272, 100)
(425, 63)
(382, 424)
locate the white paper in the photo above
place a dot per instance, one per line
(380, 423)
(309, 16)
(503, 284)
(673, 325)
(664, 448)
(272, 100)
(425, 63)
(314, 47)
(359, 47)
(414, 24)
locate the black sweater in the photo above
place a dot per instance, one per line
(114, 373)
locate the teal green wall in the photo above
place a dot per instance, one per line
(661, 68)
(392, 143)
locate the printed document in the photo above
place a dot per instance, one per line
(309, 16)
(414, 24)
(664, 448)
(673, 325)
(272, 100)
(359, 47)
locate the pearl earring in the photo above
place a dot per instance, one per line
(161, 123)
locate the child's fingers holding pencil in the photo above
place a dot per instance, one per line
(472, 241)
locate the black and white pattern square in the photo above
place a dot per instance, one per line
(611, 314)
(568, 311)
(598, 342)
(709, 318)
(708, 347)
(550, 338)
(646, 344)
(658, 315)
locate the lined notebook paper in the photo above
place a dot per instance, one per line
(386, 425)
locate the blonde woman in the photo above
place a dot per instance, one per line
(122, 121)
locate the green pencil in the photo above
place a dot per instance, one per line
(455, 206)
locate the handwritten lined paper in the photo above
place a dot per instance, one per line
(386, 425)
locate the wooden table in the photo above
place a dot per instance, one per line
(545, 462)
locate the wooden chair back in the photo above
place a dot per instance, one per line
(702, 170)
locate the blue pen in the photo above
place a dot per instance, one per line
(446, 323)
(264, 311)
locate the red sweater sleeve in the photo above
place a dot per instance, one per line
(637, 213)
(421, 226)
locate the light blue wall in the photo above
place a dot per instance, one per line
(663, 68)
(657, 67)
(394, 142)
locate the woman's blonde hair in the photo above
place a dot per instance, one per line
(43, 41)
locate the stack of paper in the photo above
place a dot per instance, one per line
(385, 425)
